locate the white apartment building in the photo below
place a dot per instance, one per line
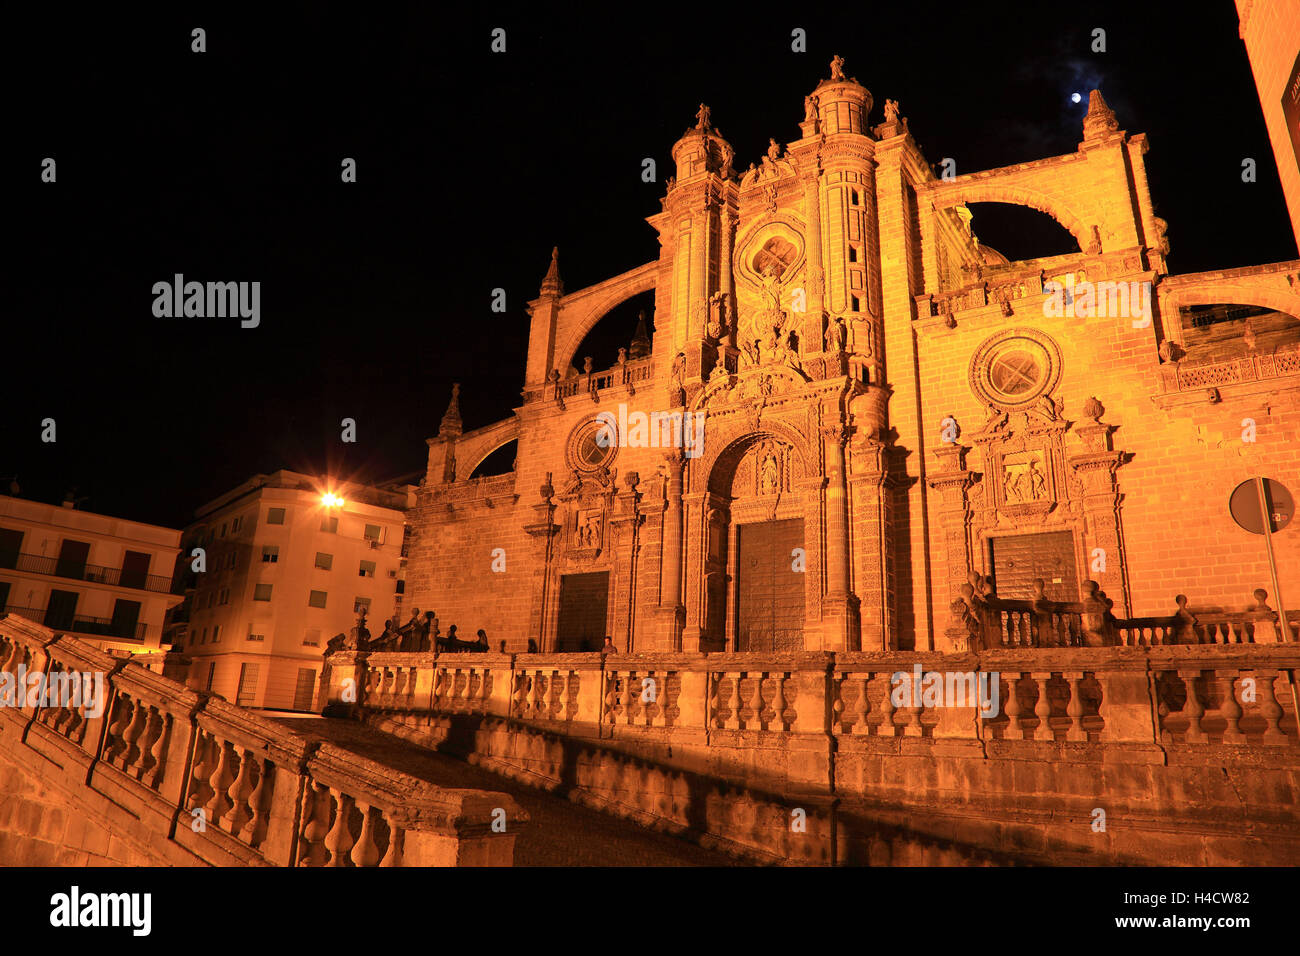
(287, 561)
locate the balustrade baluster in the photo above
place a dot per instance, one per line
(778, 699)
(1192, 708)
(365, 853)
(914, 710)
(203, 762)
(1013, 708)
(256, 800)
(886, 726)
(219, 781)
(339, 840)
(1074, 709)
(316, 818)
(393, 853)
(237, 794)
(1043, 707)
(860, 727)
(1230, 710)
(756, 703)
(123, 713)
(152, 735)
(733, 700)
(1269, 708)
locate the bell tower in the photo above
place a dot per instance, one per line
(697, 229)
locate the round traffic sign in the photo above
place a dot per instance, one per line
(1244, 505)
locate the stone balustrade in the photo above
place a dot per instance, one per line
(1047, 693)
(985, 620)
(183, 777)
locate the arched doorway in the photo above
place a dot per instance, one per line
(755, 563)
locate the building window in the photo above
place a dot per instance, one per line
(359, 603)
(223, 529)
(270, 553)
(854, 193)
(324, 561)
(203, 639)
(232, 559)
(275, 516)
(367, 569)
(225, 596)
(401, 586)
(262, 592)
(853, 253)
(234, 524)
(316, 599)
(312, 638)
(216, 634)
(257, 637)
(373, 532)
(329, 524)
(857, 304)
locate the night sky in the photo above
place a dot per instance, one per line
(225, 166)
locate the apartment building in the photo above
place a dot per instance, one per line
(105, 579)
(276, 567)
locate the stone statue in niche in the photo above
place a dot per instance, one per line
(773, 150)
(809, 109)
(717, 315)
(770, 476)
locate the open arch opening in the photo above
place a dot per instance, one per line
(1217, 332)
(1013, 233)
(500, 461)
(616, 329)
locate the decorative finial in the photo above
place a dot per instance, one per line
(1093, 409)
(552, 285)
(1100, 119)
(451, 426)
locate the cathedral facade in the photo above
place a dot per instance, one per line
(850, 408)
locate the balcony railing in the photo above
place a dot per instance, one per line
(77, 571)
(96, 626)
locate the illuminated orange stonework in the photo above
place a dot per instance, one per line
(835, 318)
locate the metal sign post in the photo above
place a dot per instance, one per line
(1265, 509)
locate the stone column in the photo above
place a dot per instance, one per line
(671, 604)
(842, 628)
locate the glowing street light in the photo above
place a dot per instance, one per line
(331, 501)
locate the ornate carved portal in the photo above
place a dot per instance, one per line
(752, 487)
(1030, 480)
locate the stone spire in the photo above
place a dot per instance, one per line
(1100, 119)
(552, 285)
(641, 340)
(451, 426)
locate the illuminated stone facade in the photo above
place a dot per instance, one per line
(890, 408)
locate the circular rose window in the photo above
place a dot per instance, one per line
(592, 446)
(1014, 368)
